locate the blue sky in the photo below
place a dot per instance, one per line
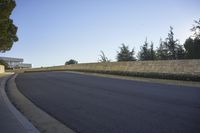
(53, 31)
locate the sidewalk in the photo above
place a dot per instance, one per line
(8, 121)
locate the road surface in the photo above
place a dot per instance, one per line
(91, 104)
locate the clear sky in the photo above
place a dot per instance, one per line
(53, 31)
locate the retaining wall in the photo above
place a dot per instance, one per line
(191, 67)
(2, 69)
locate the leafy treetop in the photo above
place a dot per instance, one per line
(7, 29)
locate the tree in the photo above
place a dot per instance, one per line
(5, 64)
(146, 53)
(7, 29)
(180, 53)
(71, 61)
(196, 29)
(189, 47)
(171, 44)
(152, 52)
(125, 54)
(161, 52)
(192, 46)
(143, 54)
(103, 58)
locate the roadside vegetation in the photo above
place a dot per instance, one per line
(71, 61)
(124, 54)
(168, 49)
(156, 75)
(2, 62)
(103, 58)
(7, 29)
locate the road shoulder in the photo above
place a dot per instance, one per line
(149, 80)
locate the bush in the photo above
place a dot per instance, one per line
(185, 77)
(5, 64)
(71, 62)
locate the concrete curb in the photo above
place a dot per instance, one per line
(24, 122)
(43, 121)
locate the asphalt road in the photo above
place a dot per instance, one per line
(90, 104)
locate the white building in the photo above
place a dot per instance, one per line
(15, 62)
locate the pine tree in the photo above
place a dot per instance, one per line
(152, 52)
(192, 46)
(171, 44)
(125, 54)
(161, 52)
(147, 53)
(143, 53)
(180, 53)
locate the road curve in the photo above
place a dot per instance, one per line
(91, 104)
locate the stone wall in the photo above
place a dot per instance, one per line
(191, 67)
(2, 69)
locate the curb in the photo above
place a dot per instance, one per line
(42, 120)
(24, 122)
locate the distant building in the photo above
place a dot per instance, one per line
(15, 62)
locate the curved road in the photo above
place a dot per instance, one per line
(91, 104)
